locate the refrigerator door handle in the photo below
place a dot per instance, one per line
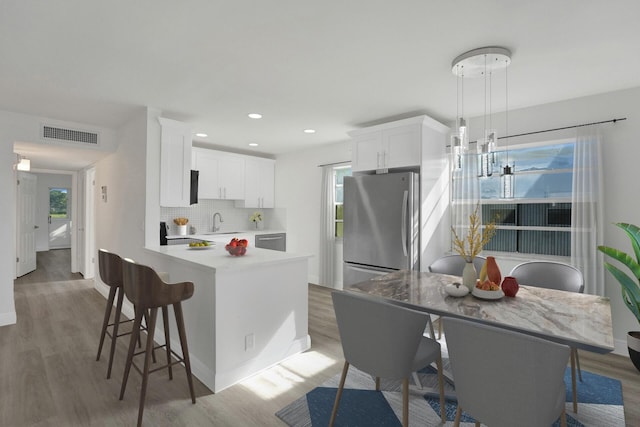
(403, 226)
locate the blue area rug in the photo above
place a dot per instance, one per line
(600, 403)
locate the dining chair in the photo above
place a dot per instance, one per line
(506, 378)
(453, 265)
(147, 291)
(386, 341)
(559, 276)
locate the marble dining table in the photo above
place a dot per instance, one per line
(578, 320)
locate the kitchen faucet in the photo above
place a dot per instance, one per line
(214, 221)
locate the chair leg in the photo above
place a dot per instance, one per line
(432, 334)
(177, 309)
(575, 350)
(443, 412)
(563, 418)
(416, 379)
(149, 332)
(377, 383)
(116, 325)
(334, 412)
(165, 321)
(147, 361)
(132, 347)
(405, 402)
(440, 328)
(456, 422)
(105, 322)
(573, 382)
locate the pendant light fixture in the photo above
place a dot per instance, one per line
(507, 178)
(481, 62)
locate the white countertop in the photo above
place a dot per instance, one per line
(217, 257)
(224, 235)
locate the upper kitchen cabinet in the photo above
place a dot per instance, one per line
(399, 144)
(175, 163)
(222, 175)
(258, 184)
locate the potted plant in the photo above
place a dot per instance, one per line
(256, 218)
(630, 287)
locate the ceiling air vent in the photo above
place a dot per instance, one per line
(73, 135)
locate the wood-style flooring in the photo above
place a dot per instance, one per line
(49, 375)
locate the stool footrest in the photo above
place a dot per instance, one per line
(179, 359)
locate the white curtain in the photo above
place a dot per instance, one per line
(466, 191)
(327, 229)
(586, 209)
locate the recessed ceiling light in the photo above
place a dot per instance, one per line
(309, 131)
(202, 135)
(253, 144)
(255, 115)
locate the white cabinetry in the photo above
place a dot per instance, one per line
(258, 184)
(222, 175)
(175, 163)
(391, 145)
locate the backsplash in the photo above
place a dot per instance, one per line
(200, 217)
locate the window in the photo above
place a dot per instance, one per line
(538, 219)
(58, 203)
(339, 172)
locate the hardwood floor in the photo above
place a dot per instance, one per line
(49, 375)
(52, 265)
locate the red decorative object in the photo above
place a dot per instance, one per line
(510, 286)
(493, 271)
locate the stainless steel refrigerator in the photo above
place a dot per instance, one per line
(381, 225)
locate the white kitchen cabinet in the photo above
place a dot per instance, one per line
(392, 145)
(258, 184)
(222, 175)
(175, 163)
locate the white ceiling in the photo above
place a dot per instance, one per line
(328, 65)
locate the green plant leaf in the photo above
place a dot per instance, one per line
(623, 258)
(630, 289)
(634, 234)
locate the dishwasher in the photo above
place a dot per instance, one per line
(275, 241)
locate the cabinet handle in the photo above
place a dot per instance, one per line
(384, 158)
(219, 192)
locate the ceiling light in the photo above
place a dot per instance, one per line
(481, 62)
(309, 131)
(255, 115)
(24, 164)
(253, 144)
(202, 135)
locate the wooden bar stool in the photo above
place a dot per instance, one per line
(147, 291)
(110, 266)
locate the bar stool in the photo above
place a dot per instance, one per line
(110, 266)
(147, 291)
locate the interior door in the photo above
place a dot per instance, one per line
(88, 241)
(26, 233)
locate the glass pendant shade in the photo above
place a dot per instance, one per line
(507, 183)
(456, 152)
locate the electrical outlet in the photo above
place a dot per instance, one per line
(249, 342)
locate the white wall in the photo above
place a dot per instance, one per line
(298, 182)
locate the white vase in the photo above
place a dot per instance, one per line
(182, 230)
(469, 275)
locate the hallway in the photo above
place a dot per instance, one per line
(53, 265)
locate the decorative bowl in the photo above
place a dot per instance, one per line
(456, 289)
(488, 295)
(236, 250)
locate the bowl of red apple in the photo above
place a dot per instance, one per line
(237, 247)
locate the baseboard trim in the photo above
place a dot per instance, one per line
(8, 318)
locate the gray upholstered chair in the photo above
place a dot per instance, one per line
(505, 378)
(453, 264)
(554, 275)
(386, 341)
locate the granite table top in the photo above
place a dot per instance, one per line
(578, 320)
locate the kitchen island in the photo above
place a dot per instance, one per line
(247, 313)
